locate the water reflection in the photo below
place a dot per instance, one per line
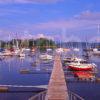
(10, 71)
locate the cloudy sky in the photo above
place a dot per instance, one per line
(61, 19)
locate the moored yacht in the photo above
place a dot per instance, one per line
(96, 51)
(78, 64)
(6, 53)
(62, 50)
(21, 54)
(46, 57)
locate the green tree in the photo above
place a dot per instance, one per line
(43, 44)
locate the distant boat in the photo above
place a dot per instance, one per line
(46, 57)
(33, 50)
(27, 49)
(49, 50)
(61, 50)
(76, 49)
(24, 71)
(6, 53)
(96, 51)
(16, 51)
(21, 54)
(88, 49)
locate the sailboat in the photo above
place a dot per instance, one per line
(96, 50)
(87, 50)
(21, 53)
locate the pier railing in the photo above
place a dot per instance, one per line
(73, 96)
(42, 96)
(39, 96)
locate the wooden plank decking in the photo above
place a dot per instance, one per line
(57, 89)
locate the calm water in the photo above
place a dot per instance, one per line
(10, 72)
(10, 75)
(87, 90)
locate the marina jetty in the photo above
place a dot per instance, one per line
(57, 88)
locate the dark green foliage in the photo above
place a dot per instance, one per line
(44, 43)
(41, 43)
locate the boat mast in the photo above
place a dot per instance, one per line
(98, 32)
(8, 44)
(64, 36)
(98, 28)
(0, 43)
(16, 41)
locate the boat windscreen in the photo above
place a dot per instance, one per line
(82, 62)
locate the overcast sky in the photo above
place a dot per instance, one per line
(62, 19)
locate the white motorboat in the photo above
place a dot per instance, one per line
(21, 54)
(6, 53)
(78, 64)
(46, 57)
(96, 51)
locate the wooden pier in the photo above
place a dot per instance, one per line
(57, 89)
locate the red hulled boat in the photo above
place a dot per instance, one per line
(81, 65)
